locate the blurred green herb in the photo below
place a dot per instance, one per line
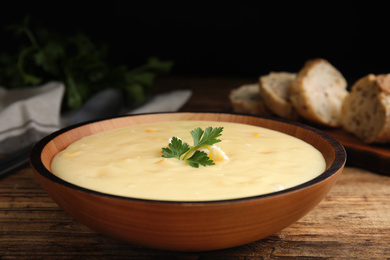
(77, 62)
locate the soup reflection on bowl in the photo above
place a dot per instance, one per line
(111, 176)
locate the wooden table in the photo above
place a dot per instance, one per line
(352, 222)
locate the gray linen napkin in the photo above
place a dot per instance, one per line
(165, 102)
(28, 114)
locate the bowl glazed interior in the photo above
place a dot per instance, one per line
(187, 226)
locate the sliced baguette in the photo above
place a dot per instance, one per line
(274, 90)
(318, 92)
(246, 99)
(366, 109)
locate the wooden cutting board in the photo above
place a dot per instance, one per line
(374, 158)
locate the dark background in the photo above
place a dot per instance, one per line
(230, 39)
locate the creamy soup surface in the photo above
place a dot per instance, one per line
(249, 161)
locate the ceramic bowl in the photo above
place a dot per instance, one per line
(187, 226)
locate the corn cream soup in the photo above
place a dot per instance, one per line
(128, 161)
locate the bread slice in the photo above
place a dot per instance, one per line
(274, 90)
(366, 110)
(318, 93)
(246, 99)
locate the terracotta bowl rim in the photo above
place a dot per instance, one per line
(336, 165)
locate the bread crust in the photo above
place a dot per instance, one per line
(318, 92)
(366, 110)
(274, 90)
(246, 99)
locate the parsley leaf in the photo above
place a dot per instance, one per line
(175, 149)
(199, 157)
(181, 150)
(207, 137)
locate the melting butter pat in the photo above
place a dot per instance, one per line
(214, 153)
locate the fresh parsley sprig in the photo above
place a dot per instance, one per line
(175, 149)
(181, 150)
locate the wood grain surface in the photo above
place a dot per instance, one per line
(352, 222)
(373, 157)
